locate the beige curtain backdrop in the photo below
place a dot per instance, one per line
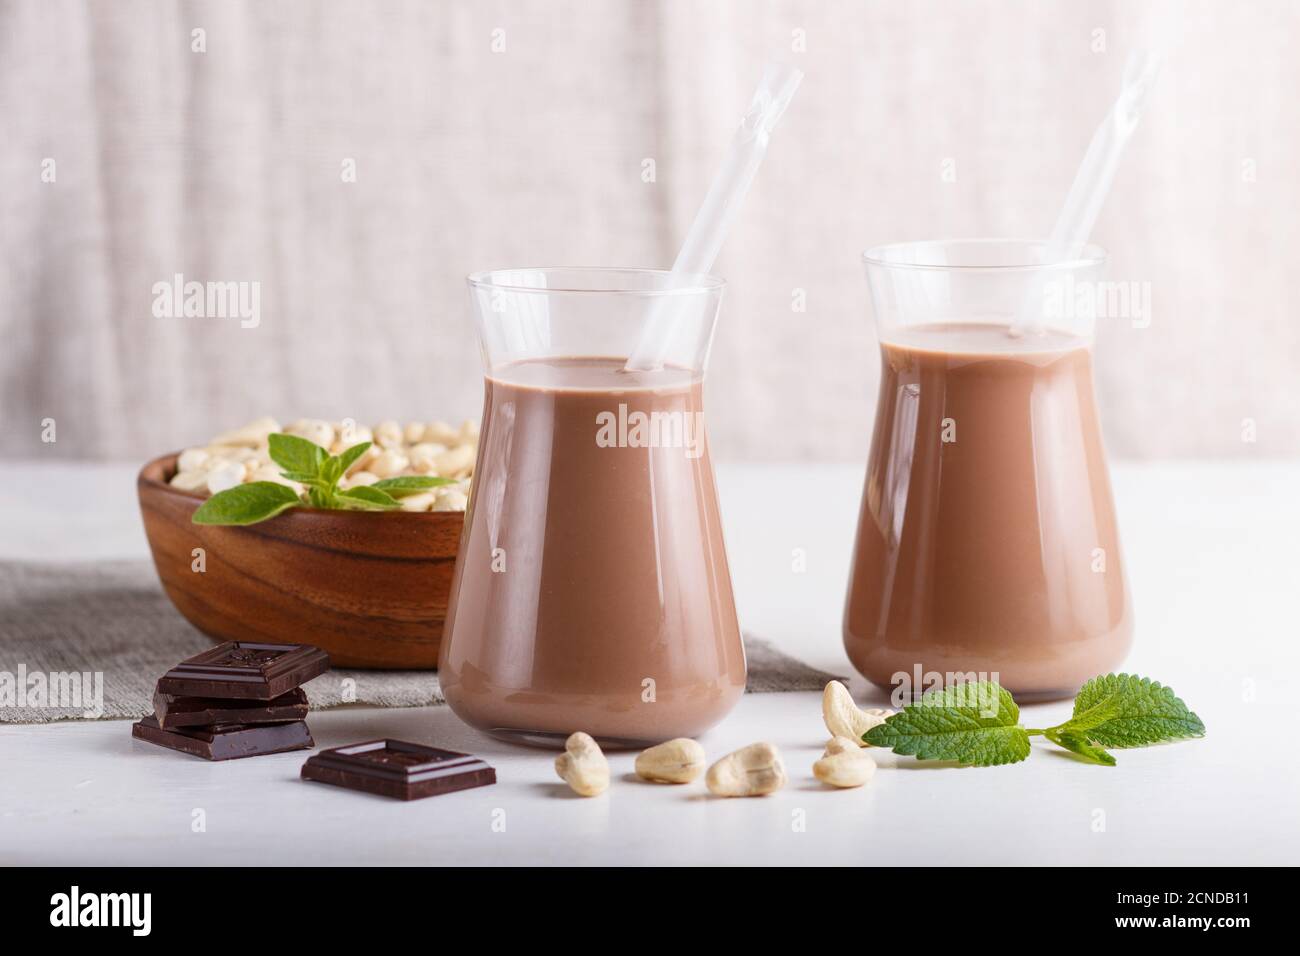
(498, 134)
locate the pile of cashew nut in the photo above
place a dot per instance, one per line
(419, 448)
(752, 771)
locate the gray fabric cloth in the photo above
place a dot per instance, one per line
(112, 618)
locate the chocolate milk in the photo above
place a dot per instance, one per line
(996, 551)
(592, 591)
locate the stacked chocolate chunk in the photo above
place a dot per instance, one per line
(239, 699)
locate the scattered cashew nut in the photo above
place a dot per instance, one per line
(844, 764)
(582, 766)
(752, 771)
(844, 718)
(674, 761)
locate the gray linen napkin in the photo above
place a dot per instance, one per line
(112, 618)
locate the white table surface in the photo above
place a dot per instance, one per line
(1213, 552)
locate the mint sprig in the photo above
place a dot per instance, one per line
(1123, 710)
(298, 454)
(319, 473)
(1079, 744)
(978, 724)
(246, 504)
(404, 485)
(366, 498)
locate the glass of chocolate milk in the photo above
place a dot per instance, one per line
(986, 544)
(591, 589)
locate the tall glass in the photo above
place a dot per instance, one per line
(591, 589)
(986, 542)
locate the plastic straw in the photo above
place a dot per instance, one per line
(724, 198)
(1093, 180)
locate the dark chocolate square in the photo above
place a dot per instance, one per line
(226, 743)
(171, 711)
(396, 768)
(245, 670)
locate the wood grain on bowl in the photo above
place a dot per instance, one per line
(371, 589)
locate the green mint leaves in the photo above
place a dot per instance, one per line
(1122, 710)
(246, 504)
(975, 724)
(1079, 744)
(301, 456)
(978, 724)
(319, 473)
(408, 485)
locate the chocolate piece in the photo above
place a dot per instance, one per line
(245, 670)
(226, 743)
(171, 711)
(395, 768)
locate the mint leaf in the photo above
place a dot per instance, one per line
(976, 724)
(305, 477)
(349, 456)
(410, 484)
(330, 473)
(366, 498)
(297, 454)
(336, 466)
(1124, 710)
(320, 494)
(1079, 744)
(246, 504)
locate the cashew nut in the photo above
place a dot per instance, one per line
(424, 456)
(389, 464)
(314, 430)
(844, 718)
(388, 435)
(190, 480)
(347, 434)
(442, 433)
(675, 761)
(751, 771)
(582, 766)
(251, 435)
(272, 473)
(455, 462)
(450, 499)
(844, 764)
(192, 459)
(224, 475)
(840, 745)
(418, 502)
(468, 433)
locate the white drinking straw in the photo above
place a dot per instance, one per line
(1093, 180)
(724, 198)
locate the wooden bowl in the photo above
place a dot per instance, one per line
(370, 589)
